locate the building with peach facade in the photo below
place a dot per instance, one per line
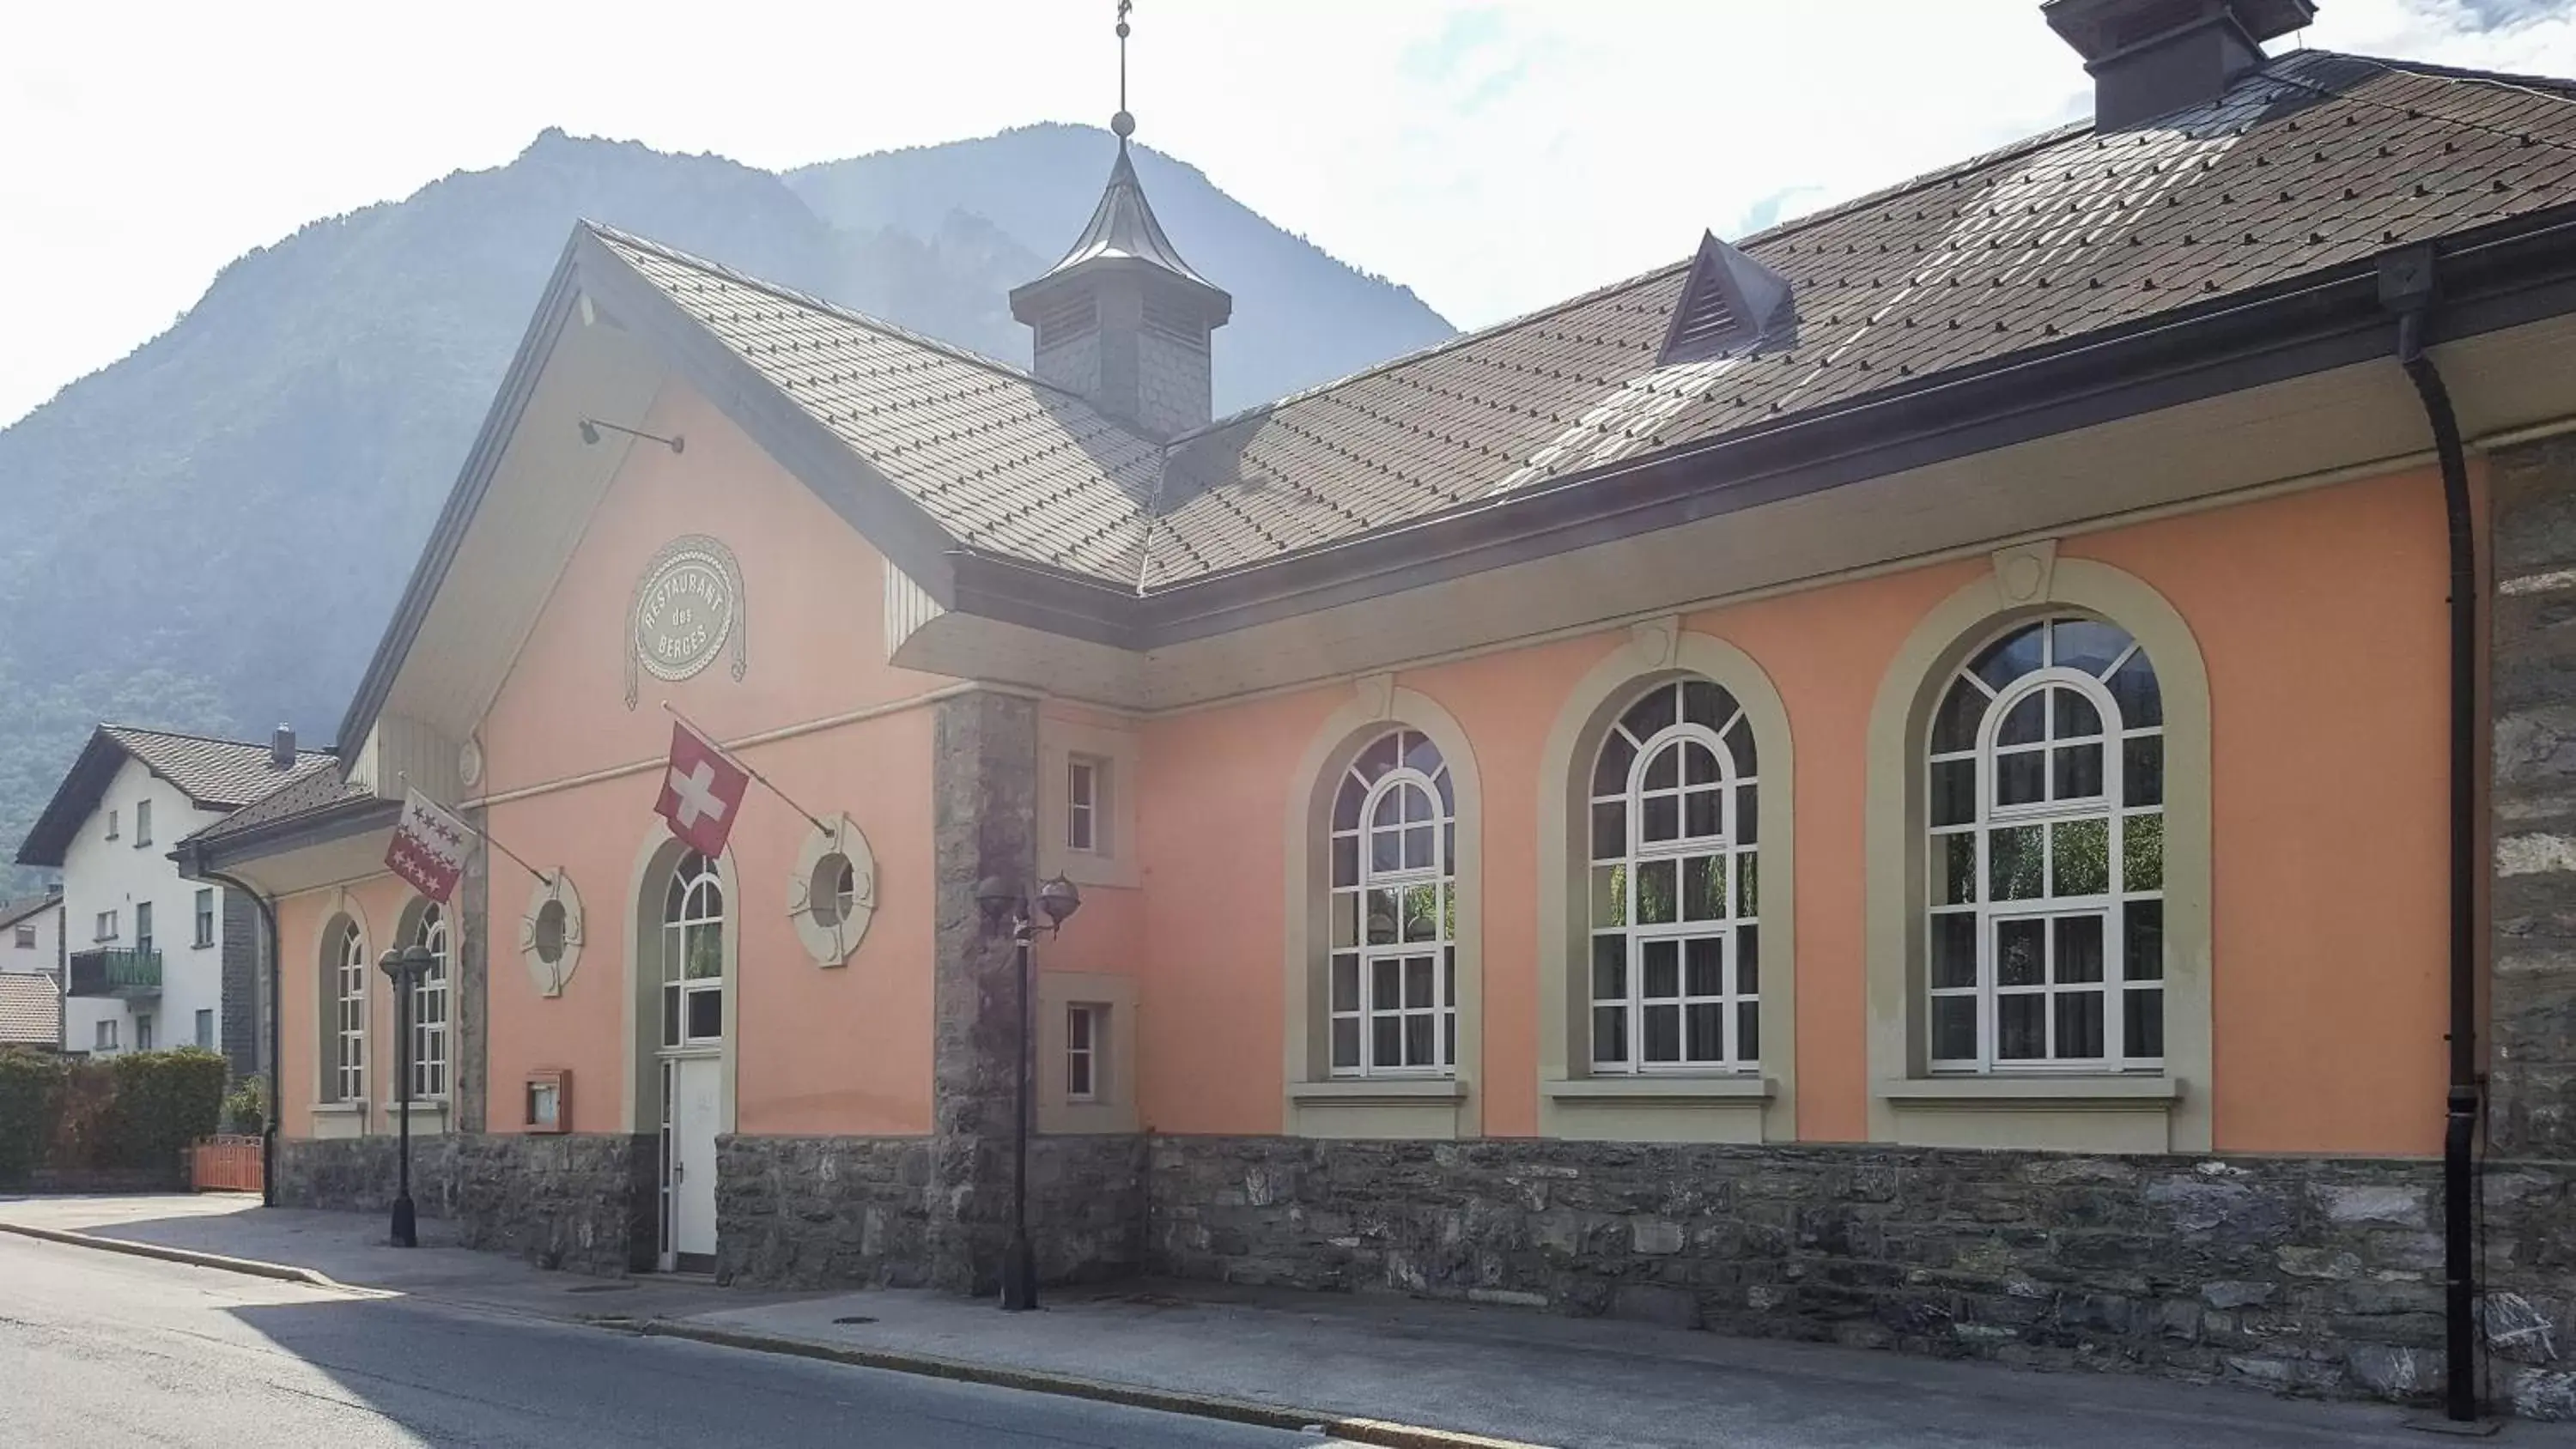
(1895, 780)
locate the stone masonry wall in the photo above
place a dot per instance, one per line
(824, 1212)
(2315, 1275)
(984, 823)
(2532, 799)
(581, 1201)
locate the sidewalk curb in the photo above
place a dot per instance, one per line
(1174, 1401)
(283, 1272)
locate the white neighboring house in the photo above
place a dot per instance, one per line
(153, 960)
(31, 934)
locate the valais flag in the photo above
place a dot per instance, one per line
(428, 848)
(701, 792)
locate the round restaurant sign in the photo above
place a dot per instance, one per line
(685, 612)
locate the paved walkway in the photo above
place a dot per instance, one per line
(1530, 1377)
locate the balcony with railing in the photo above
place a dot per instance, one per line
(123, 972)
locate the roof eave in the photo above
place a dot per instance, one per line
(200, 858)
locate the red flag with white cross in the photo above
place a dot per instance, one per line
(701, 792)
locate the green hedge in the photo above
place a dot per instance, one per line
(28, 1084)
(138, 1110)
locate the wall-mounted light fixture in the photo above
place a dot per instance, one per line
(590, 435)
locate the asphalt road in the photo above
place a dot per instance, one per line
(99, 1351)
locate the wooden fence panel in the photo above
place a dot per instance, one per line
(225, 1164)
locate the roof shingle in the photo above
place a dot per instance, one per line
(31, 1010)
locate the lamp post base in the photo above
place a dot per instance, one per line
(406, 1230)
(1019, 1276)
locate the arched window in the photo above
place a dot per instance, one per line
(2045, 803)
(346, 960)
(1675, 888)
(429, 1008)
(1394, 987)
(693, 923)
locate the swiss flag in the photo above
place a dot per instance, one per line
(701, 792)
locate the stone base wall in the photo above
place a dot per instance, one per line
(816, 1212)
(2315, 1275)
(582, 1201)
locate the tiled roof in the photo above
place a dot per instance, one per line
(31, 1010)
(2312, 161)
(995, 457)
(215, 774)
(314, 792)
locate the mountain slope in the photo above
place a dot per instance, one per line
(210, 533)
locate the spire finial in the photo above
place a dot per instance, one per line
(1123, 123)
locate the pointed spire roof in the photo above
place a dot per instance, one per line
(1123, 227)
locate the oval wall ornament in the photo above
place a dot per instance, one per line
(688, 606)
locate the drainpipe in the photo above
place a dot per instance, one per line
(276, 1000)
(2406, 288)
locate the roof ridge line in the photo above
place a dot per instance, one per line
(319, 752)
(851, 315)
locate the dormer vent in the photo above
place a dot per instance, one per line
(1729, 303)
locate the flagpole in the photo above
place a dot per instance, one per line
(743, 765)
(543, 879)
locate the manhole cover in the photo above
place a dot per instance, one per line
(602, 1288)
(855, 1318)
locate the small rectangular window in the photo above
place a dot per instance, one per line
(205, 1028)
(142, 925)
(26, 938)
(106, 926)
(142, 1033)
(1082, 801)
(142, 823)
(206, 916)
(1082, 1034)
(105, 1037)
(111, 825)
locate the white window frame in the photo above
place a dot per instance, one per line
(1622, 945)
(26, 938)
(349, 1016)
(206, 1028)
(103, 1035)
(1083, 1050)
(142, 823)
(693, 909)
(205, 906)
(1085, 804)
(2115, 905)
(105, 929)
(429, 1001)
(143, 1031)
(142, 925)
(111, 824)
(1359, 971)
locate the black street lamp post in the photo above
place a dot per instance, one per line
(404, 968)
(1004, 905)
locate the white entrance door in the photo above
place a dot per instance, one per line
(695, 1097)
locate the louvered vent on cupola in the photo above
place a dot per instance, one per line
(1729, 303)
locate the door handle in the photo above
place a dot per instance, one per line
(679, 1172)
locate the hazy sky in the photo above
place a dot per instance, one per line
(1494, 156)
